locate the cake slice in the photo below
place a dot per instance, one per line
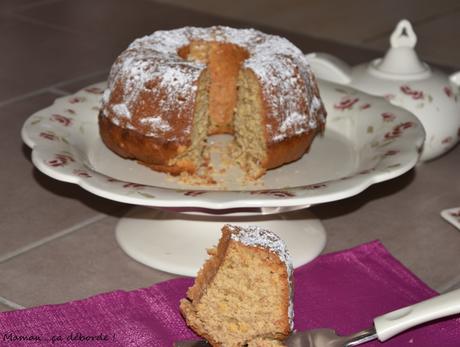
(243, 293)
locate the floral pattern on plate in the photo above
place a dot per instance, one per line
(384, 141)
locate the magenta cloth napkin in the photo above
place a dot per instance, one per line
(343, 290)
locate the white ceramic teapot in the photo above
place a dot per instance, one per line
(405, 81)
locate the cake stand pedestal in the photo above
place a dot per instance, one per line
(176, 242)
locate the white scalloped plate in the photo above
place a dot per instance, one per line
(367, 140)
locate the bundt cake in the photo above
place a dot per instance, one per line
(243, 293)
(168, 91)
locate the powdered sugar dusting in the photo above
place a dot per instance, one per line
(151, 67)
(121, 110)
(285, 73)
(256, 236)
(315, 104)
(106, 96)
(294, 121)
(157, 123)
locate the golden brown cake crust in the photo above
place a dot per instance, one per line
(204, 277)
(210, 267)
(292, 147)
(153, 152)
(289, 150)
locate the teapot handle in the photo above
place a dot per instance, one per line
(455, 81)
(330, 68)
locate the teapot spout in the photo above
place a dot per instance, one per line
(329, 68)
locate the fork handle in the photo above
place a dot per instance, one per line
(395, 322)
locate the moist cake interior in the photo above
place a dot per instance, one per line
(229, 101)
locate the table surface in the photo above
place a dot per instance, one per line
(57, 241)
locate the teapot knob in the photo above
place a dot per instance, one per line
(403, 35)
(401, 62)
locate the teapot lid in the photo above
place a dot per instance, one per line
(401, 61)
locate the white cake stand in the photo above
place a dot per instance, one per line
(177, 242)
(367, 140)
